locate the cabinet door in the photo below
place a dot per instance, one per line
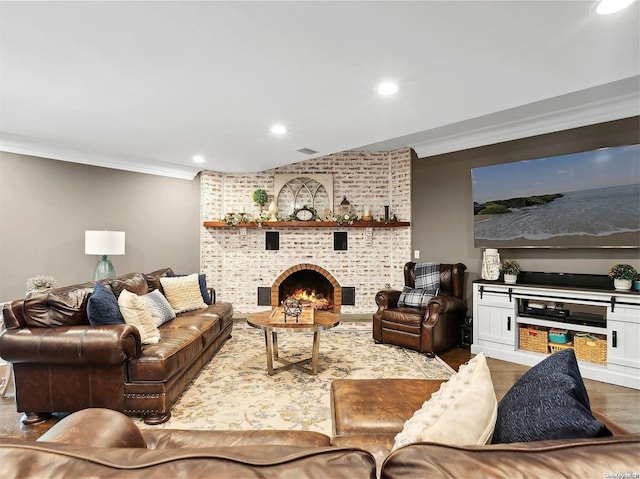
(496, 324)
(623, 337)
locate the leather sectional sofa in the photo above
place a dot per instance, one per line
(62, 363)
(366, 413)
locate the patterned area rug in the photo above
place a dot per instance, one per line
(235, 392)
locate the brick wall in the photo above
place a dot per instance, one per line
(237, 263)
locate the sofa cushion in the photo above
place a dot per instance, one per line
(428, 276)
(135, 312)
(102, 307)
(183, 292)
(549, 401)
(414, 297)
(202, 281)
(463, 411)
(160, 309)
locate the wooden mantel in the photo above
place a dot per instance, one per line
(309, 224)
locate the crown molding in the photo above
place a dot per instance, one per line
(26, 146)
(539, 123)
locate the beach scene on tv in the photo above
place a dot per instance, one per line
(586, 199)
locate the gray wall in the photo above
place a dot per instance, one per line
(442, 205)
(46, 206)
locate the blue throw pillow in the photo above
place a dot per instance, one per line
(102, 307)
(549, 401)
(202, 279)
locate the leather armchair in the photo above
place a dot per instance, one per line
(429, 329)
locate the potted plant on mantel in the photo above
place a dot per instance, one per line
(510, 268)
(622, 275)
(260, 197)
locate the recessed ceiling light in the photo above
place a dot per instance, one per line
(605, 7)
(198, 159)
(387, 88)
(278, 129)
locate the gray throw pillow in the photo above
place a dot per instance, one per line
(549, 401)
(102, 307)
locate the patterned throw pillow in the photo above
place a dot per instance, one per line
(462, 412)
(414, 297)
(183, 292)
(549, 401)
(202, 280)
(160, 309)
(102, 307)
(136, 313)
(428, 276)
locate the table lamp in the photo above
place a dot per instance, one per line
(104, 243)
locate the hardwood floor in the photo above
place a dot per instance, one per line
(620, 404)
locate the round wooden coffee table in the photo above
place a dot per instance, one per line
(272, 324)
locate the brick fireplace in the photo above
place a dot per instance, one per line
(309, 277)
(238, 264)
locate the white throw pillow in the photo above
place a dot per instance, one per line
(183, 292)
(135, 313)
(462, 412)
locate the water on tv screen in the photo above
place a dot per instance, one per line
(589, 199)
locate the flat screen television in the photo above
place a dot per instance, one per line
(589, 199)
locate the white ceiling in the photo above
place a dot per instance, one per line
(144, 86)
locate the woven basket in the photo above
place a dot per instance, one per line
(535, 340)
(555, 347)
(591, 347)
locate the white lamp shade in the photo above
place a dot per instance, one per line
(104, 242)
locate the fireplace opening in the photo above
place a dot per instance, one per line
(311, 284)
(310, 287)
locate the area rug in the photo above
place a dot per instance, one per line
(235, 392)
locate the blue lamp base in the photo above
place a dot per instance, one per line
(104, 269)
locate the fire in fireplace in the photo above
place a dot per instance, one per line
(310, 298)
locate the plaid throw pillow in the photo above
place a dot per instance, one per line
(428, 276)
(414, 297)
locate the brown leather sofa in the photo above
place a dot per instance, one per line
(105, 443)
(368, 413)
(429, 329)
(62, 363)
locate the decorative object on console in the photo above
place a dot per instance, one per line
(623, 275)
(104, 243)
(490, 264)
(260, 197)
(40, 283)
(510, 268)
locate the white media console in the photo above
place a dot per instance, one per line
(500, 310)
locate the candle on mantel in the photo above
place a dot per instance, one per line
(367, 213)
(242, 210)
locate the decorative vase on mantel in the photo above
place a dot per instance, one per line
(510, 278)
